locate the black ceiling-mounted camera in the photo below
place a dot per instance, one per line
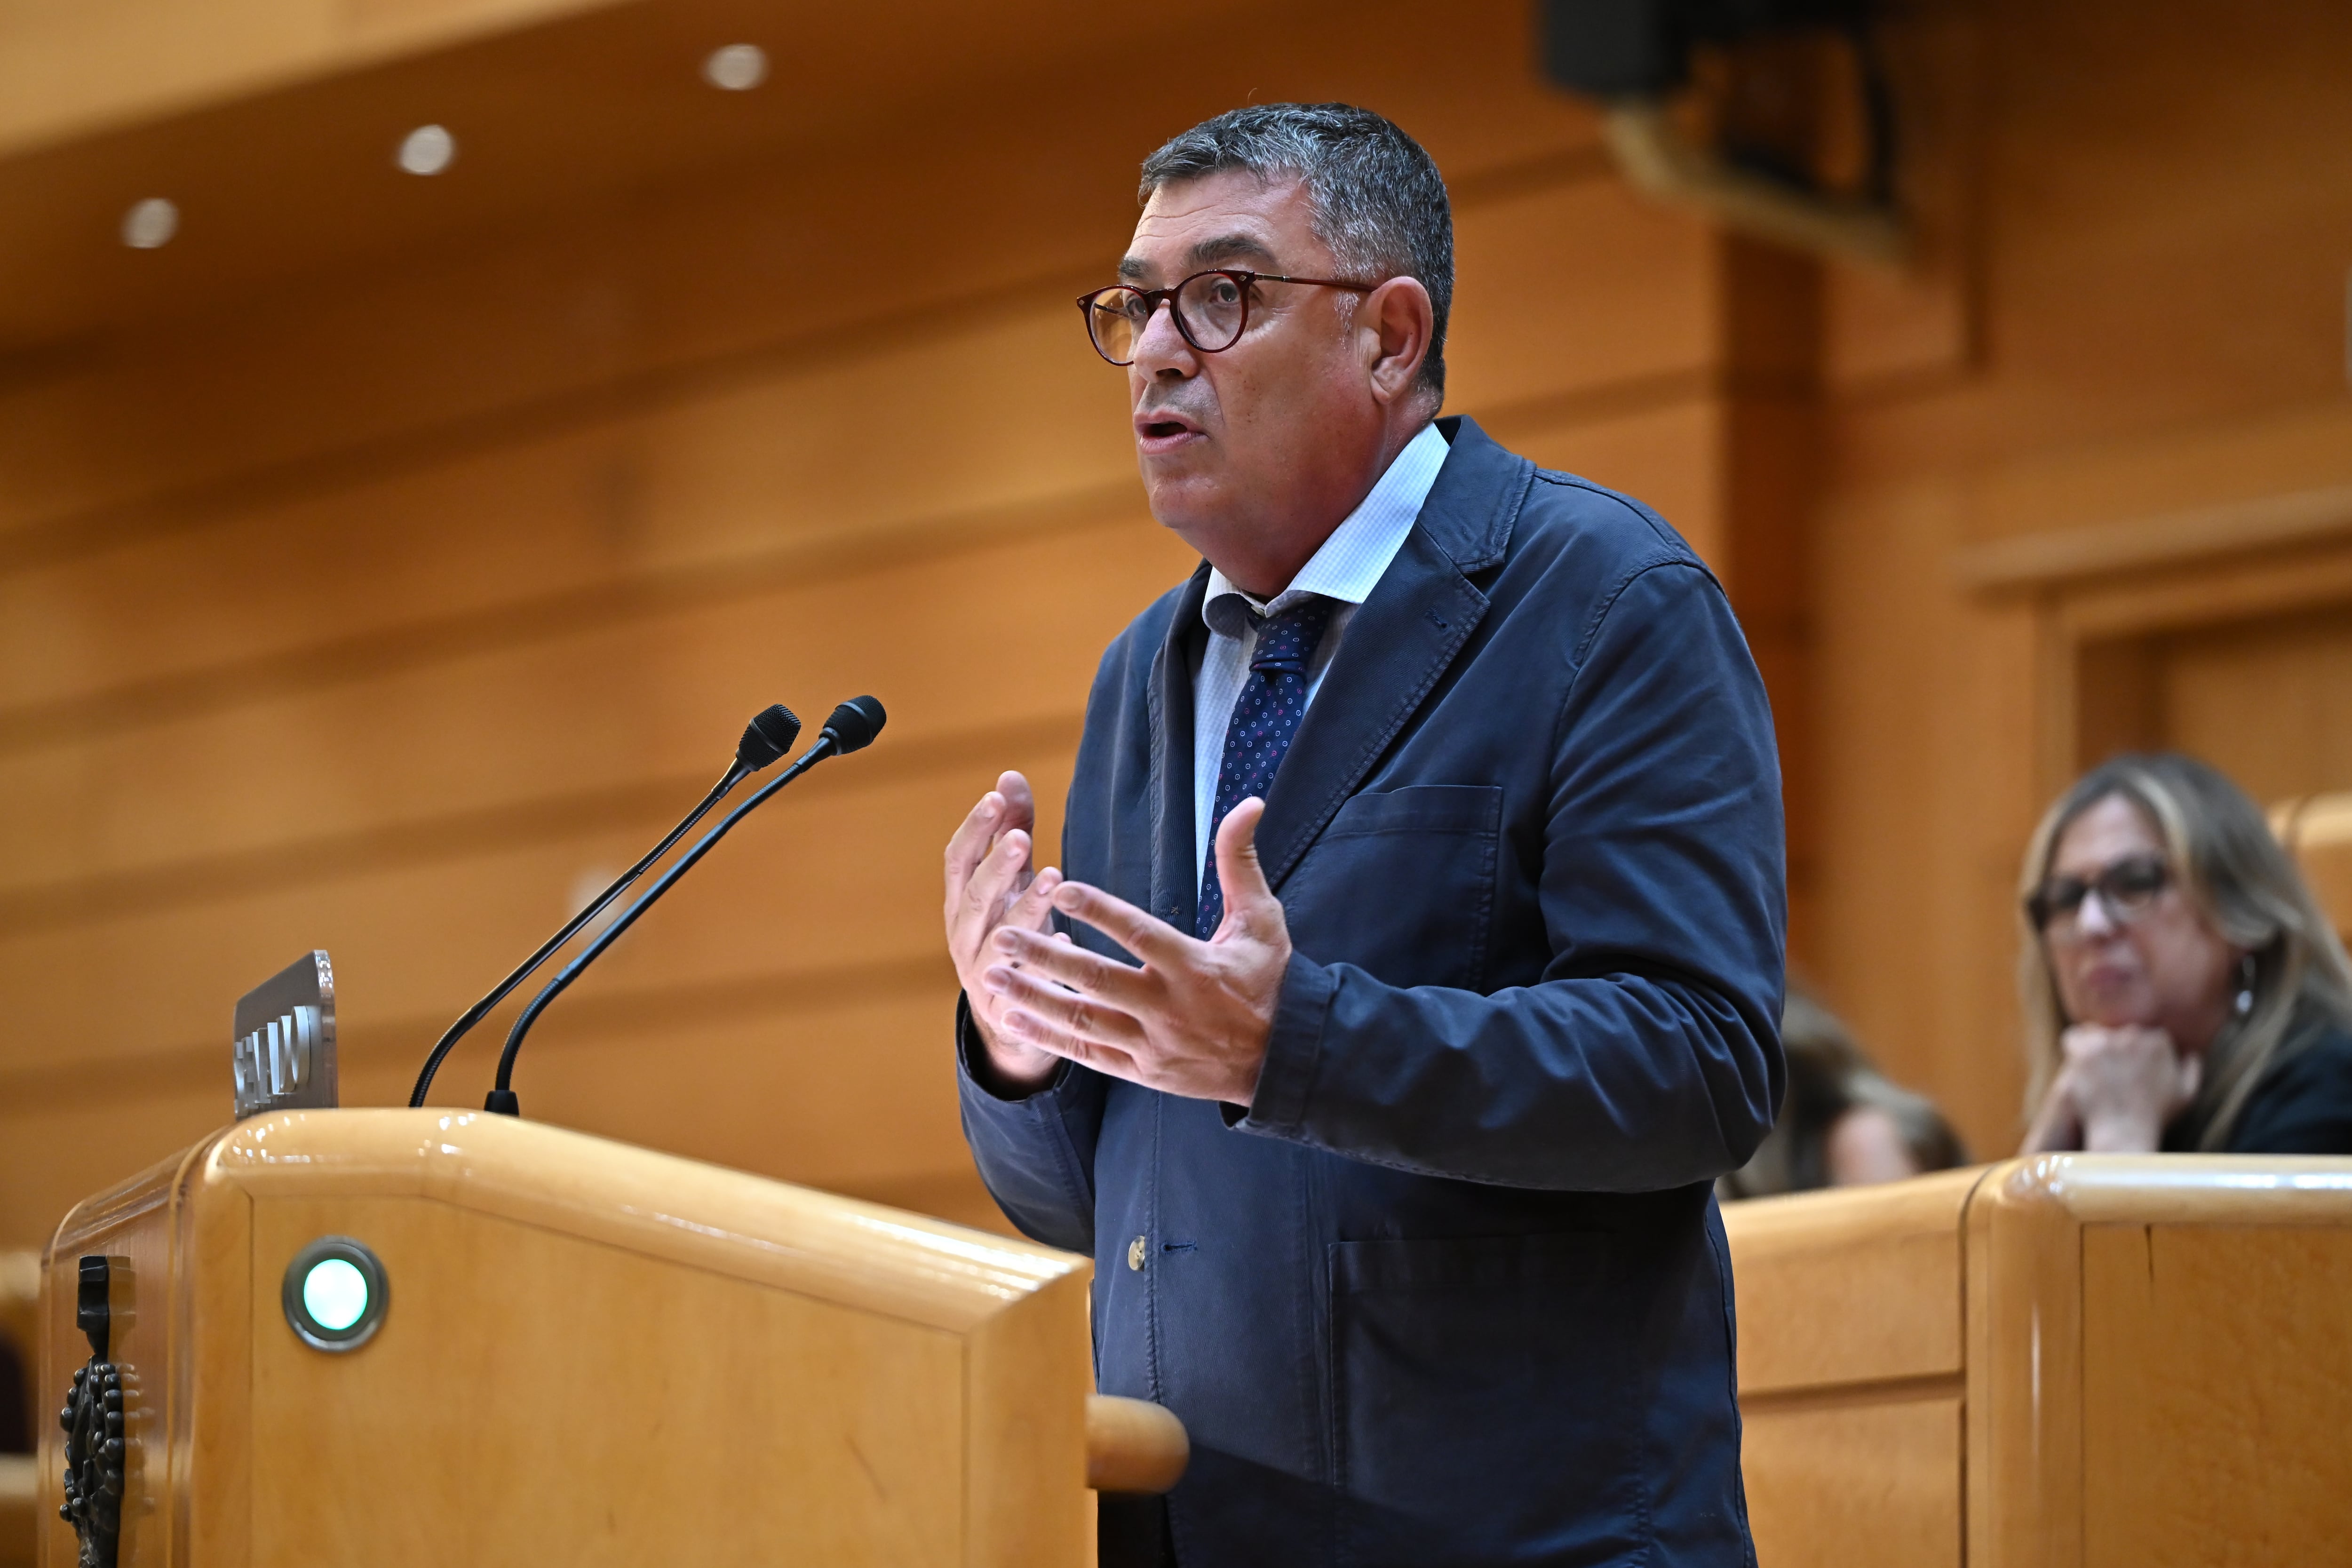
(1632, 56)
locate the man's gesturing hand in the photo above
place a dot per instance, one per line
(989, 889)
(1194, 1020)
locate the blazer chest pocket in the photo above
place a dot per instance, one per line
(1402, 884)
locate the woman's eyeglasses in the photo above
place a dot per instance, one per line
(1211, 309)
(2125, 890)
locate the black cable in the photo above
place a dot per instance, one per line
(502, 1098)
(735, 773)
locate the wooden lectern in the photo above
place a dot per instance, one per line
(2070, 1361)
(399, 1337)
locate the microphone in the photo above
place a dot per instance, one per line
(768, 735)
(853, 726)
(850, 728)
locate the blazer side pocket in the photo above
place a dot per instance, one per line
(1482, 1394)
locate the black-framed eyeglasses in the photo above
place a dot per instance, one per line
(1210, 307)
(2125, 890)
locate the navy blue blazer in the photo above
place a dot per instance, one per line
(1452, 1288)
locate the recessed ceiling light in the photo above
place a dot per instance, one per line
(738, 68)
(428, 150)
(149, 223)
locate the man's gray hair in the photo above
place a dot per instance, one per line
(1377, 200)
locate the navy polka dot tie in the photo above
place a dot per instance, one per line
(1266, 716)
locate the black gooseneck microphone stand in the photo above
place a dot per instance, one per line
(768, 736)
(851, 728)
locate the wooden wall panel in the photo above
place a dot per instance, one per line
(2151, 241)
(1928, 792)
(848, 1094)
(749, 480)
(474, 344)
(837, 876)
(1670, 457)
(1566, 290)
(2296, 739)
(377, 604)
(584, 707)
(837, 1081)
(351, 571)
(515, 313)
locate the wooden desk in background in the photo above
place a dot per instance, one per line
(2080, 1361)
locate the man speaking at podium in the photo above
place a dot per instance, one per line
(1414, 961)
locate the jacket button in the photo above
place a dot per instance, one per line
(1135, 1253)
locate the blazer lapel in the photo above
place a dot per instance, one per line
(1400, 641)
(1175, 876)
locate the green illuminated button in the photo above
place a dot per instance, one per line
(335, 1293)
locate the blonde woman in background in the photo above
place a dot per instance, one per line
(2182, 990)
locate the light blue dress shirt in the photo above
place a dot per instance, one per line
(1347, 568)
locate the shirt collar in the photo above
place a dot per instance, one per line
(1352, 561)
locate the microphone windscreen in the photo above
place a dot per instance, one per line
(854, 725)
(768, 737)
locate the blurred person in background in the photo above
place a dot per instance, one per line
(1843, 1124)
(2183, 991)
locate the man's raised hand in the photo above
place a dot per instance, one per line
(1194, 1020)
(989, 888)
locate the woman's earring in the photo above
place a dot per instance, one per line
(2243, 1002)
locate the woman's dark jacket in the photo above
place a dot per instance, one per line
(2303, 1105)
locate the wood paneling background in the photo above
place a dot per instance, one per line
(377, 608)
(2144, 213)
(385, 557)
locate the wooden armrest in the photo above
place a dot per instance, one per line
(1133, 1445)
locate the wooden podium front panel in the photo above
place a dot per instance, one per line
(136, 1225)
(748, 1421)
(591, 1354)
